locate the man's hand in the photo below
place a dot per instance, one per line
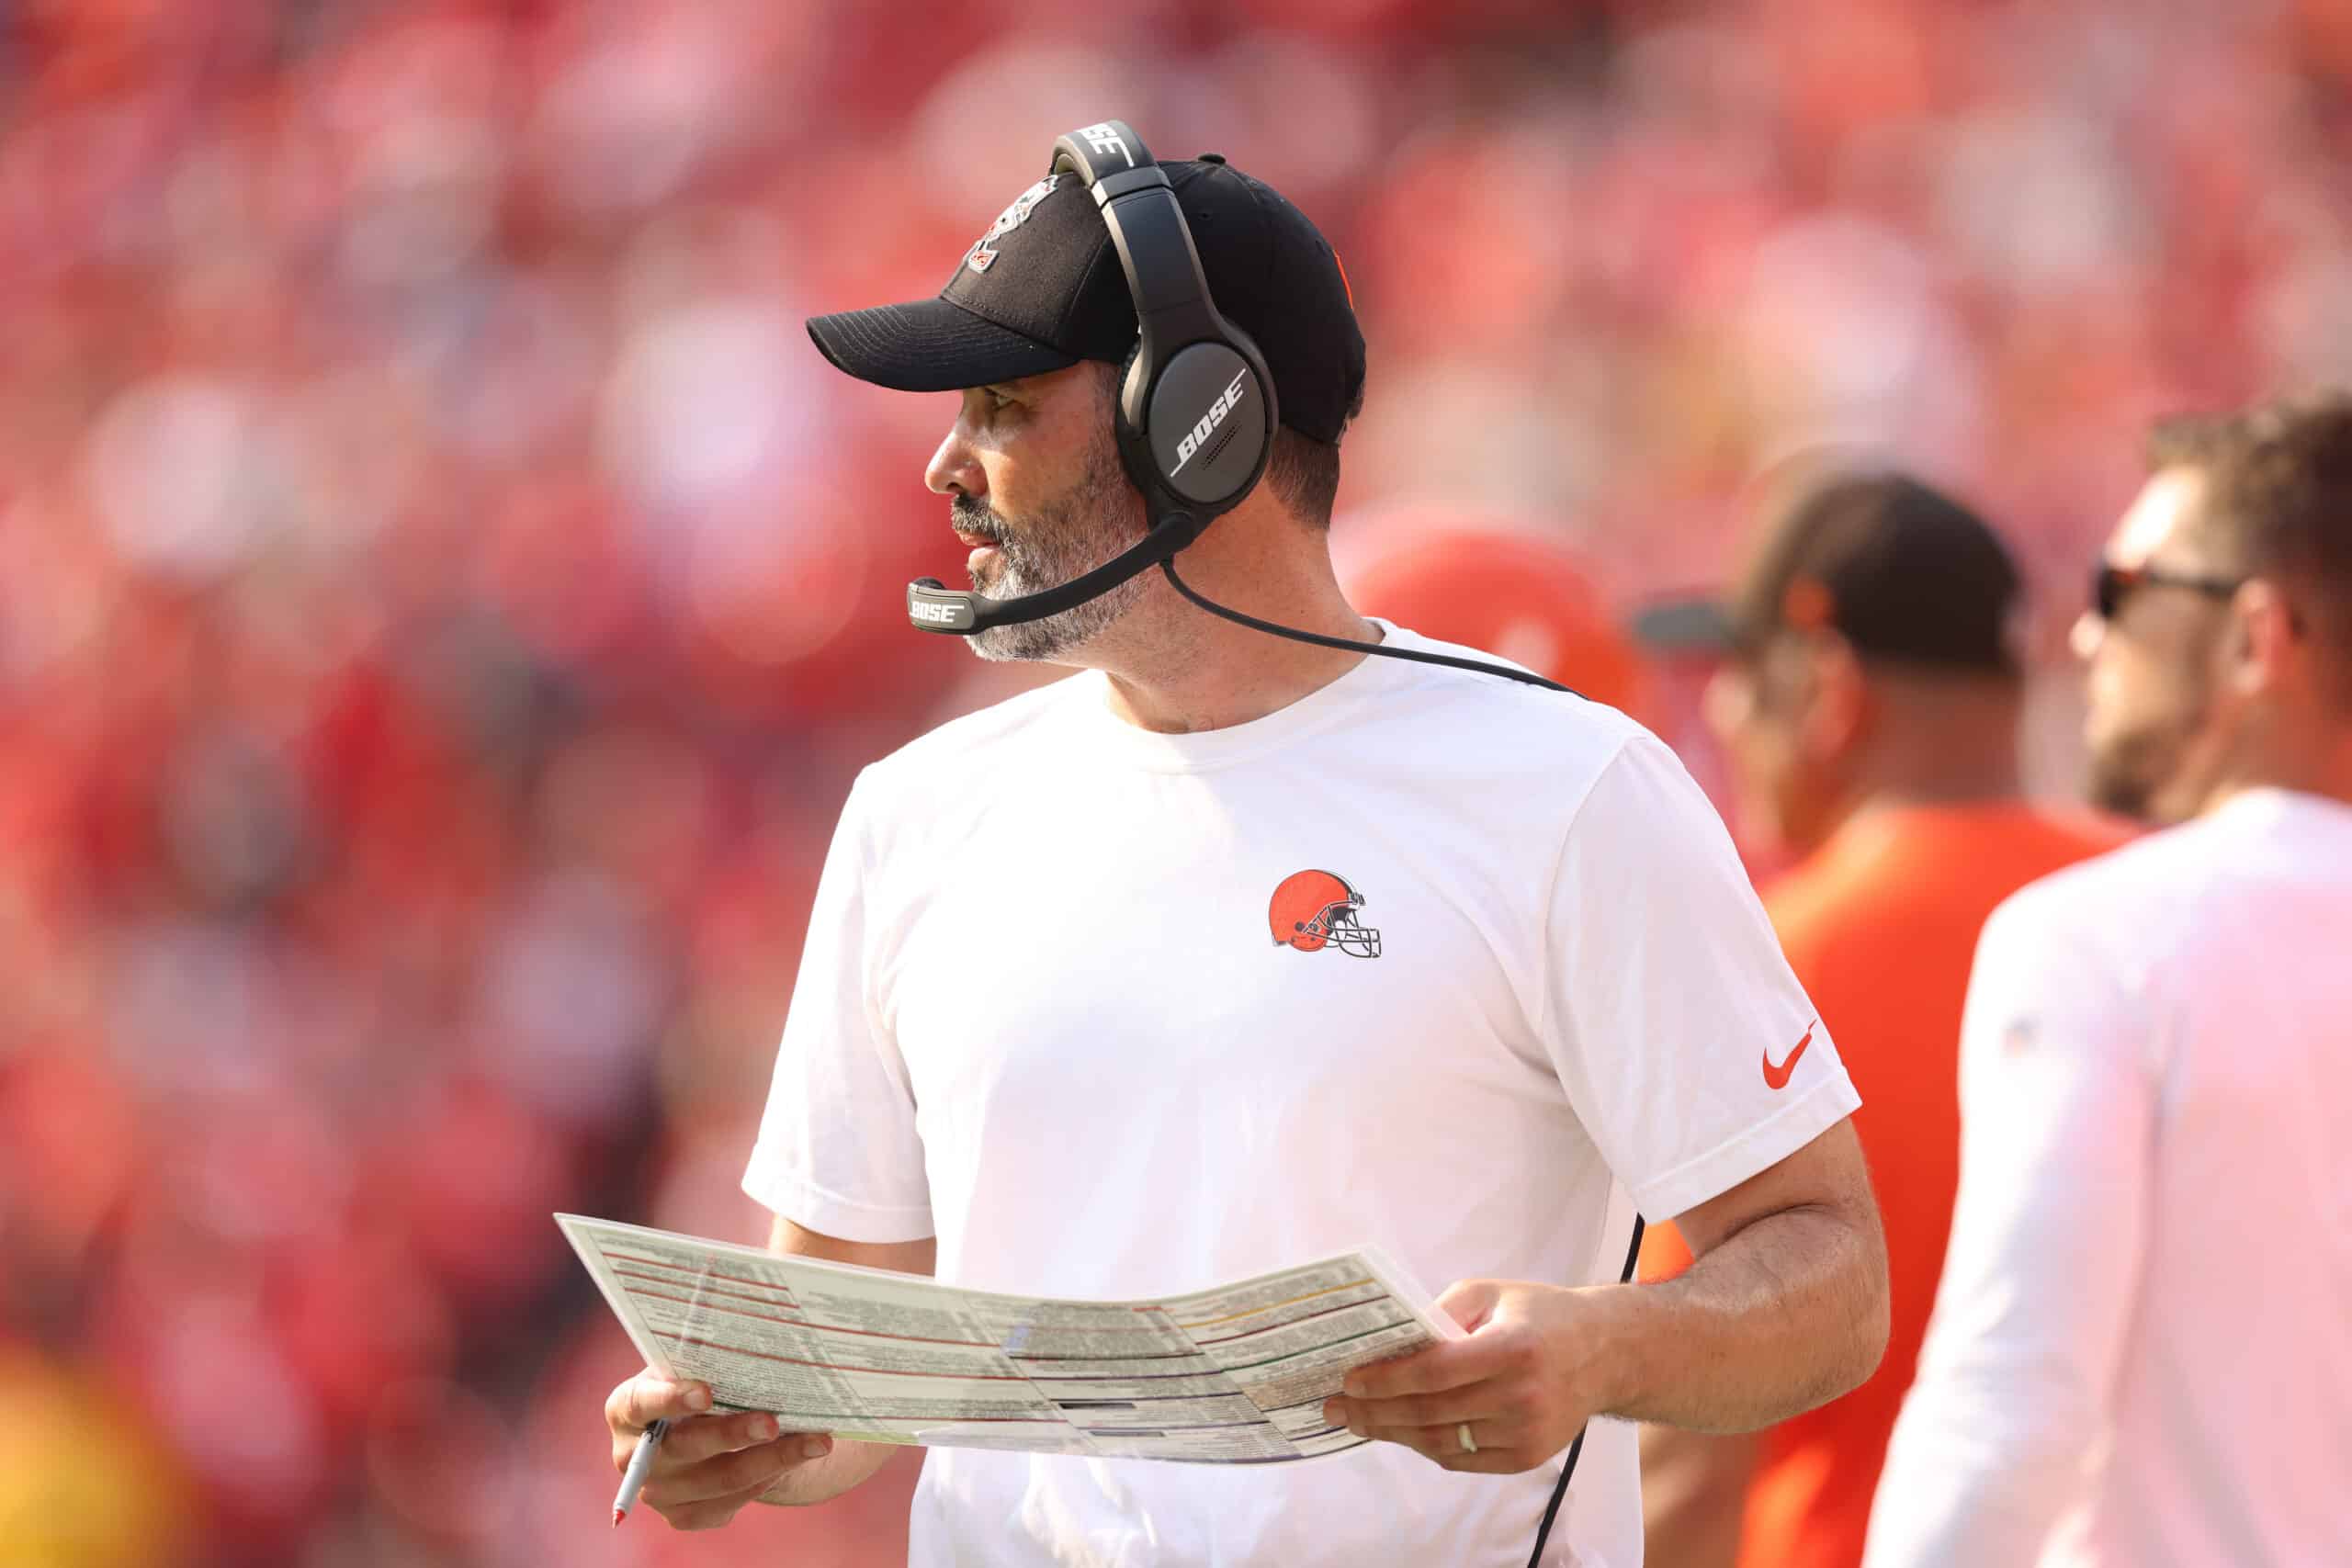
(1522, 1384)
(708, 1466)
(1785, 1307)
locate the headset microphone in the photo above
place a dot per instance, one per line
(932, 606)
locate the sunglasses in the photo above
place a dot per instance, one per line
(2112, 584)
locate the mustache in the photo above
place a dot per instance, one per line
(976, 517)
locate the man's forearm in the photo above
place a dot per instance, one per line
(1783, 1315)
(1785, 1307)
(820, 1480)
(849, 1463)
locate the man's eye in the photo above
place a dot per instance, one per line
(1000, 401)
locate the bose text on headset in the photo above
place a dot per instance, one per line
(1195, 422)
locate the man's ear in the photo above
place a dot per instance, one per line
(1838, 696)
(2267, 645)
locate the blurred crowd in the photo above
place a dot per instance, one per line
(444, 597)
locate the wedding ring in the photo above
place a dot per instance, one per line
(1469, 1443)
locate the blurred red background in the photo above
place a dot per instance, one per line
(444, 597)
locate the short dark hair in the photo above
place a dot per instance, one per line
(1305, 473)
(2277, 496)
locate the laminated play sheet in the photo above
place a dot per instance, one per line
(1235, 1374)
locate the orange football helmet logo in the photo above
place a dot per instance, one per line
(1314, 909)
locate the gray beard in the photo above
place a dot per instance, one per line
(1057, 542)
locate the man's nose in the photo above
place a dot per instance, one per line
(2084, 636)
(954, 469)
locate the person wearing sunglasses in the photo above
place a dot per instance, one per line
(2153, 748)
(2142, 1345)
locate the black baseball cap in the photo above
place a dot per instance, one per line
(1042, 290)
(1900, 570)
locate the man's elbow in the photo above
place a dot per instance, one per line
(1870, 1335)
(1868, 1315)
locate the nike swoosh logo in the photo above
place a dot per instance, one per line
(1778, 1077)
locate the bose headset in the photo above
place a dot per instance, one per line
(1196, 424)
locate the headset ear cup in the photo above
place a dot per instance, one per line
(1210, 417)
(1134, 440)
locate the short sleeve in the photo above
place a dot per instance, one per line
(1684, 1042)
(838, 1150)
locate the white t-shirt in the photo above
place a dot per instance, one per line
(2141, 1350)
(1048, 1011)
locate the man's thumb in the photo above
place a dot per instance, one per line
(1468, 1301)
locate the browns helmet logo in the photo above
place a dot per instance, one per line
(1314, 909)
(982, 256)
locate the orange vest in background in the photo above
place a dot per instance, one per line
(1880, 927)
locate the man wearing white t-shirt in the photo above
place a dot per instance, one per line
(2141, 1347)
(1233, 952)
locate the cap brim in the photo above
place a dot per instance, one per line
(930, 345)
(1686, 626)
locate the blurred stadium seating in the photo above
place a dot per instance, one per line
(444, 598)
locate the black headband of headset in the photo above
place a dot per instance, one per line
(1154, 243)
(1170, 395)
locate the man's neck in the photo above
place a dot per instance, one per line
(1942, 741)
(1959, 751)
(1175, 667)
(2315, 760)
(1972, 782)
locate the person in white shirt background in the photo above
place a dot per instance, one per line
(2141, 1348)
(1040, 1040)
